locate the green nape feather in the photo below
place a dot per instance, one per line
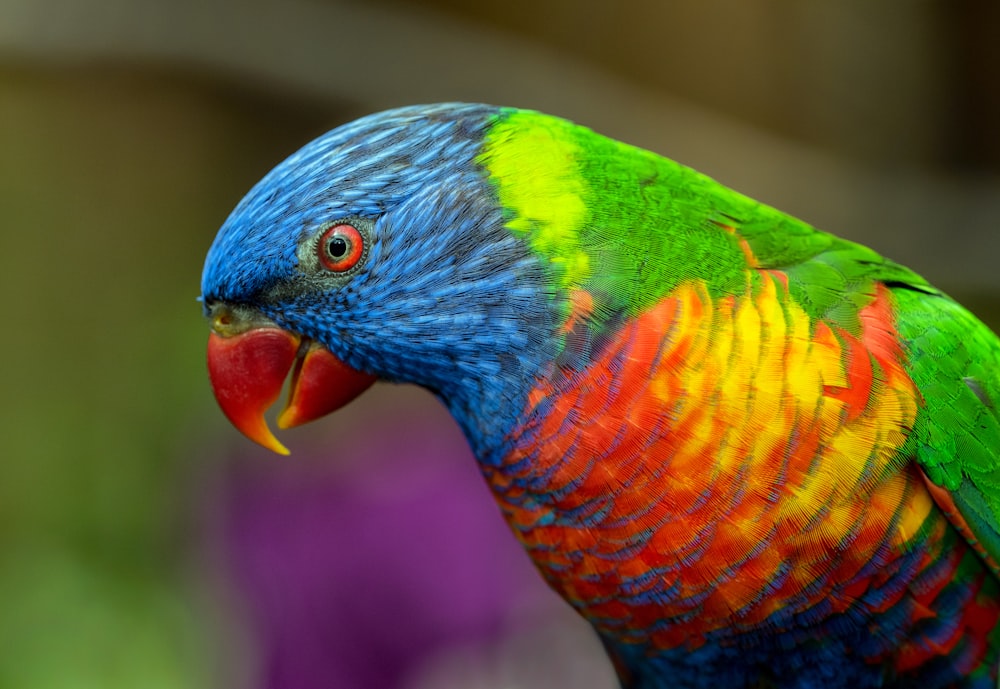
(597, 208)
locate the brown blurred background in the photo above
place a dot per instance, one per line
(129, 129)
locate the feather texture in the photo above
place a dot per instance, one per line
(751, 453)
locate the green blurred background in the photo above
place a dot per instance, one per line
(128, 130)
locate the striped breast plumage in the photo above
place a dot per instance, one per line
(751, 453)
(721, 491)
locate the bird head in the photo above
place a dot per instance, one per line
(378, 251)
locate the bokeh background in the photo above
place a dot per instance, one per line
(142, 542)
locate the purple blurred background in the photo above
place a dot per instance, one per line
(375, 558)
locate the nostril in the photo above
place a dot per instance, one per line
(224, 320)
(228, 320)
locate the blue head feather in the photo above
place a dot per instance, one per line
(446, 297)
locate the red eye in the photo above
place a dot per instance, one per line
(340, 248)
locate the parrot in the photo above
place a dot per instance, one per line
(748, 452)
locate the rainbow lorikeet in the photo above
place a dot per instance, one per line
(750, 453)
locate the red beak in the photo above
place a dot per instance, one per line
(248, 370)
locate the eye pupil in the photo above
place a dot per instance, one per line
(337, 247)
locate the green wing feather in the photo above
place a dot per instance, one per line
(955, 361)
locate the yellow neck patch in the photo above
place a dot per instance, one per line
(532, 159)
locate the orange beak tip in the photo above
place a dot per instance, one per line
(268, 440)
(278, 448)
(247, 372)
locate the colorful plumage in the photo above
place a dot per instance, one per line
(750, 453)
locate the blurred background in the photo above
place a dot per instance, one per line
(143, 543)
